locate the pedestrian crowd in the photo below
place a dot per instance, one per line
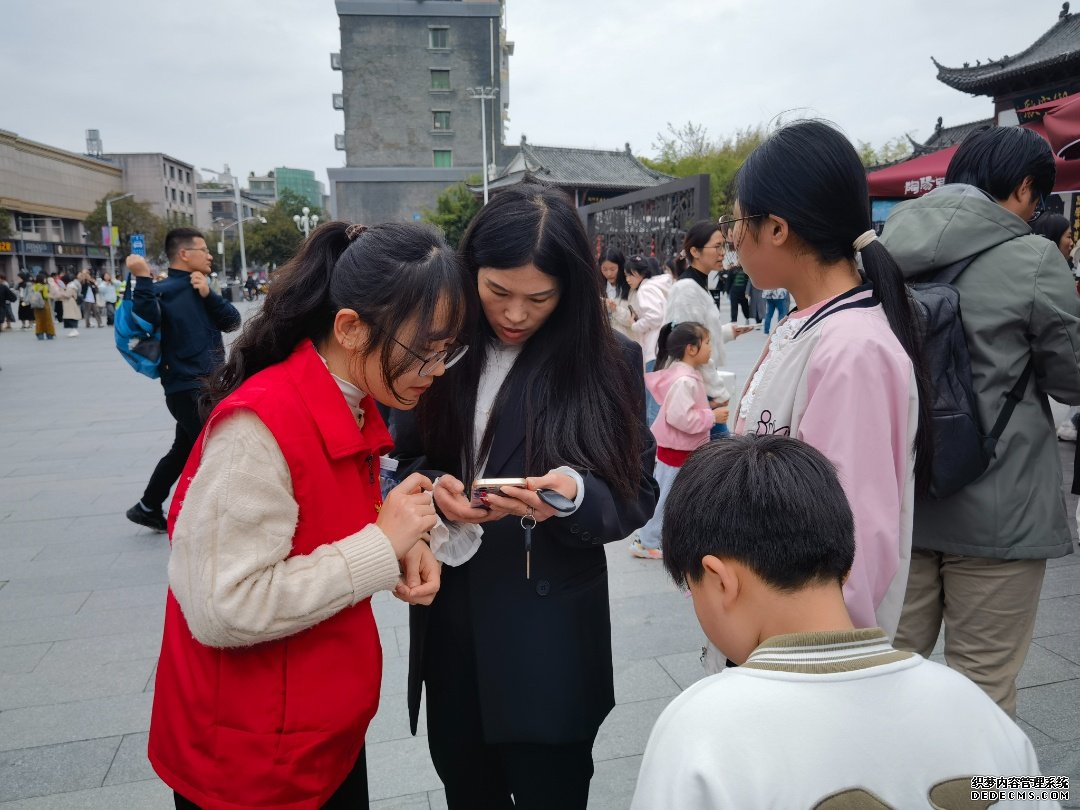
(468, 429)
(37, 302)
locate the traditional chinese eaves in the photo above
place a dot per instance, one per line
(568, 167)
(945, 137)
(1055, 55)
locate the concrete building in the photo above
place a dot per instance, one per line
(164, 182)
(301, 182)
(45, 194)
(411, 127)
(263, 187)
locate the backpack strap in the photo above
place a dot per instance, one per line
(1012, 399)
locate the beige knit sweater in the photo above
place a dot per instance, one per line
(229, 568)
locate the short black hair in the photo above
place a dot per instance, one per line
(771, 503)
(1050, 226)
(998, 159)
(179, 238)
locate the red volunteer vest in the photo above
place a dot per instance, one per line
(280, 724)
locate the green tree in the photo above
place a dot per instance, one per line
(276, 241)
(6, 228)
(688, 150)
(889, 152)
(129, 216)
(454, 210)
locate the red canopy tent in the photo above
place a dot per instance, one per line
(1061, 125)
(915, 177)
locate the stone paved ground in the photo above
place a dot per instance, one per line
(82, 594)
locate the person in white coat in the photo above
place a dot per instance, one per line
(690, 300)
(644, 315)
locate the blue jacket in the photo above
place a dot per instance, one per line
(191, 327)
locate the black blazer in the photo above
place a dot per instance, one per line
(542, 646)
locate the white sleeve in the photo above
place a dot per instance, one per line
(230, 568)
(650, 309)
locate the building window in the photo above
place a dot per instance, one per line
(187, 179)
(444, 159)
(173, 194)
(440, 80)
(439, 38)
(172, 172)
(189, 198)
(440, 120)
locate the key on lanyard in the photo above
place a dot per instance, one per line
(528, 523)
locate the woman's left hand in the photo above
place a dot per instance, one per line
(742, 330)
(518, 501)
(421, 576)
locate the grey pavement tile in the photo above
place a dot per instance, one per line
(39, 569)
(1062, 759)
(43, 688)
(70, 722)
(395, 678)
(151, 794)
(402, 634)
(81, 625)
(1043, 667)
(91, 652)
(22, 657)
(91, 580)
(685, 669)
(1037, 737)
(1053, 709)
(1061, 581)
(144, 557)
(437, 798)
(626, 730)
(414, 801)
(1067, 560)
(130, 763)
(1057, 616)
(636, 583)
(86, 546)
(393, 613)
(613, 783)
(18, 554)
(151, 682)
(391, 722)
(30, 607)
(136, 596)
(644, 679)
(29, 772)
(1067, 645)
(33, 531)
(653, 625)
(399, 764)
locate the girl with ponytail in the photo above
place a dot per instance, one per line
(270, 663)
(844, 373)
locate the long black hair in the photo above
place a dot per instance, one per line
(808, 174)
(575, 381)
(617, 258)
(641, 266)
(1050, 226)
(697, 237)
(673, 341)
(389, 274)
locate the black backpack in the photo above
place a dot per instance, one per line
(962, 451)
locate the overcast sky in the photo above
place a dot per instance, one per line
(248, 82)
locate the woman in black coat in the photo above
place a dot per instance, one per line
(515, 651)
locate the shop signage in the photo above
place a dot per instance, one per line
(7, 247)
(1040, 97)
(37, 248)
(71, 250)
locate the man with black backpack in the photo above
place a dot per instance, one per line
(979, 553)
(191, 319)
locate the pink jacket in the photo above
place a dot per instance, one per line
(685, 417)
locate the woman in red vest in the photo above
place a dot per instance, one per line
(270, 662)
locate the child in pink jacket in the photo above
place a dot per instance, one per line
(685, 417)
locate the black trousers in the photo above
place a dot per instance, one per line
(739, 301)
(184, 406)
(478, 775)
(352, 795)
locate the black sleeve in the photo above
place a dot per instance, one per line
(143, 301)
(602, 517)
(225, 317)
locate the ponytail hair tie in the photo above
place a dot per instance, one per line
(354, 231)
(864, 240)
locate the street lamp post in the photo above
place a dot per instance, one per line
(223, 227)
(239, 218)
(306, 222)
(483, 94)
(108, 218)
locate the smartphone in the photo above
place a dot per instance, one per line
(492, 485)
(632, 313)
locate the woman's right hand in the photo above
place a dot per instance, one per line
(407, 513)
(456, 505)
(720, 414)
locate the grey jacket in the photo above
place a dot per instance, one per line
(1018, 301)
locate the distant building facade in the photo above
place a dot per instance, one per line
(164, 182)
(301, 182)
(411, 127)
(47, 193)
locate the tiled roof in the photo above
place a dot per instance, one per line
(1058, 47)
(593, 168)
(945, 137)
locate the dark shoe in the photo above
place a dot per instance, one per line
(152, 520)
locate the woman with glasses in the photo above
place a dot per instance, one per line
(844, 373)
(270, 663)
(690, 301)
(515, 651)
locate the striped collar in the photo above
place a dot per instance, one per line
(826, 652)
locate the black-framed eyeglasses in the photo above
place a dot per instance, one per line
(448, 356)
(204, 249)
(1040, 208)
(724, 222)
